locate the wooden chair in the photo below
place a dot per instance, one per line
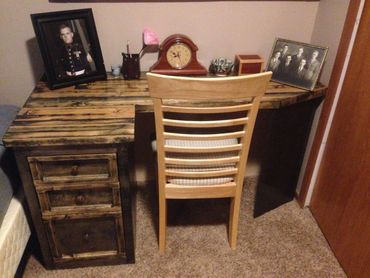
(204, 128)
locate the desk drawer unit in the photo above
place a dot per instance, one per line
(80, 199)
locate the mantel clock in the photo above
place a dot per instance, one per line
(177, 56)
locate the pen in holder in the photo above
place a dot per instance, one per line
(130, 66)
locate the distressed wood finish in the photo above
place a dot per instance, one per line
(105, 112)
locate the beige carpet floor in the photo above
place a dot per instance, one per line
(285, 242)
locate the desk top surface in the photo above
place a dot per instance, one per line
(105, 112)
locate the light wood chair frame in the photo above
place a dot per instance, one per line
(181, 95)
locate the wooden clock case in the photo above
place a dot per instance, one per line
(163, 67)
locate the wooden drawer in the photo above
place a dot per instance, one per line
(79, 197)
(73, 168)
(75, 238)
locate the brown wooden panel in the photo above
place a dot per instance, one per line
(251, 68)
(341, 199)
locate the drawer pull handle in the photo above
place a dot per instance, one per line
(80, 199)
(86, 236)
(74, 170)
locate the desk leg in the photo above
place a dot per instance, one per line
(128, 196)
(279, 142)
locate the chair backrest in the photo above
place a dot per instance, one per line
(204, 128)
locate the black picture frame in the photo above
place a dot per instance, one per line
(69, 47)
(296, 63)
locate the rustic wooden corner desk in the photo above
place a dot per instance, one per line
(72, 148)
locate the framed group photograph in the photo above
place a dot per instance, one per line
(295, 63)
(69, 47)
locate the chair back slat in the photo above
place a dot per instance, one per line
(205, 124)
(202, 162)
(218, 136)
(200, 88)
(206, 110)
(201, 174)
(203, 150)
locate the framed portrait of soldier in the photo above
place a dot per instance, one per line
(295, 63)
(69, 47)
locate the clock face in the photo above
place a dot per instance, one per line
(178, 55)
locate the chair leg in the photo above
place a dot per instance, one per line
(234, 221)
(162, 223)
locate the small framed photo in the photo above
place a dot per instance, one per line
(295, 63)
(69, 47)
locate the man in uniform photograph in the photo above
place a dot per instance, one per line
(73, 60)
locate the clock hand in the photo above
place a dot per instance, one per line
(179, 57)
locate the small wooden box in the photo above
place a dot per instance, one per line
(247, 64)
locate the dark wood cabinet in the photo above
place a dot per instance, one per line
(76, 201)
(72, 154)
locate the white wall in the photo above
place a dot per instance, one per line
(328, 29)
(218, 29)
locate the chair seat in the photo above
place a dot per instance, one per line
(185, 168)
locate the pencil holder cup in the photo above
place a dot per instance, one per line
(130, 66)
(116, 70)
